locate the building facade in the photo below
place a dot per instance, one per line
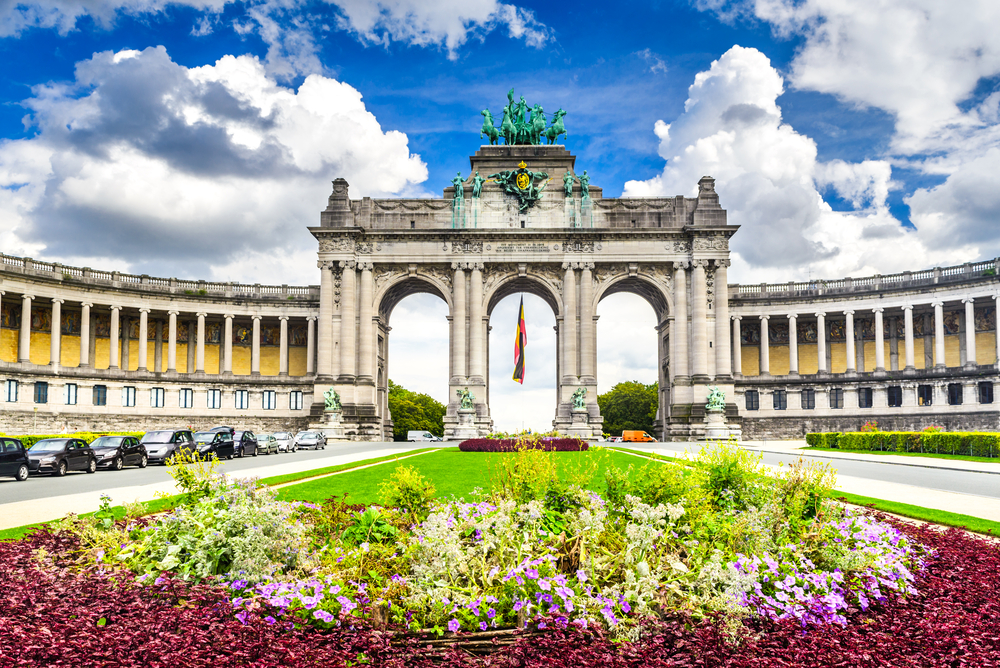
(82, 349)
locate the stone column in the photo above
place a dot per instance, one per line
(699, 320)
(24, 345)
(158, 347)
(85, 334)
(570, 370)
(55, 337)
(765, 348)
(172, 342)
(852, 365)
(283, 346)
(879, 341)
(199, 355)
(227, 344)
(939, 334)
(114, 343)
(680, 336)
(123, 328)
(996, 329)
(255, 347)
(324, 354)
(476, 321)
(723, 367)
(737, 347)
(821, 343)
(908, 337)
(310, 345)
(793, 345)
(458, 322)
(970, 332)
(143, 339)
(348, 320)
(588, 343)
(366, 343)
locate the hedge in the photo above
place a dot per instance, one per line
(30, 439)
(969, 443)
(515, 444)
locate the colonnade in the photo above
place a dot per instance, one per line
(118, 356)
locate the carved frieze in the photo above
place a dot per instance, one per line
(340, 245)
(441, 274)
(364, 247)
(678, 246)
(550, 273)
(715, 242)
(578, 246)
(467, 247)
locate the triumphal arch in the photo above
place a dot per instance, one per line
(524, 219)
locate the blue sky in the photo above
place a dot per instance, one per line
(847, 136)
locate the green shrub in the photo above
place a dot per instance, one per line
(730, 472)
(984, 445)
(616, 485)
(976, 444)
(832, 439)
(817, 440)
(407, 489)
(853, 440)
(523, 475)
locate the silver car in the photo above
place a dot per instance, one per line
(267, 444)
(285, 442)
(310, 439)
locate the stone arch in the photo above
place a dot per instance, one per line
(544, 287)
(650, 288)
(400, 286)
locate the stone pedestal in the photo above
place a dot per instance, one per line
(466, 427)
(330, 426)
(569, 211)
(580, 427)
(716, 428)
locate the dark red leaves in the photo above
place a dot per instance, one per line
(514, 444)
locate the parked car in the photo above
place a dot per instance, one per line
(59, 455)
(615, 439)
(285, 443)
(635, 436)
(115, 452)
(163, 443)
(421, 436)
(231, 430)
(245, 443)
(267, 444)
(14, 459)
(310, 439)
(218, 443)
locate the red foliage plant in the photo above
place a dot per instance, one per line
(515, 444)
(51, 615)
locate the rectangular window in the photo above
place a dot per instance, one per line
(809, 399)
(242, 399)
(41, 392)
(986, 392)
(215, 398)
(156, 395)
(295, 400)
(925, 395)
(954, 394)
(128, 396)
(100, 395)
(780, 400)
(270, 400)
(10, 389)
(894, 396)
(70, 394)
(865, 397)
(753, 400)
(836, 398)
(186, 398)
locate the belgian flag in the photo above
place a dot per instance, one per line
(520, 341)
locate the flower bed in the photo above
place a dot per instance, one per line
(547, 444)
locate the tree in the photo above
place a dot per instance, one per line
(412, 411)
(629, 405)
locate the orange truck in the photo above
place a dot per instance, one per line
(637, 437)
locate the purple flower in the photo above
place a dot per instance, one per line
(324, 616)
(483, 626)
(454, 625)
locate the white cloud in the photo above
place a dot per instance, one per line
(140, 161)
(768, 177)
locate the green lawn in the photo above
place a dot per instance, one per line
(924, 514)
(451, 471)
(968, 458)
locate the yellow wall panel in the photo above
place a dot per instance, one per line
(297, 361)
(986, 348)
(838, 361)
(952, 357)
(40, 347)
(182, 357)
(808, 358)
(213, 359)
(870, 355)
(8, 345)
(101, 354)
(241, 360)
(269, 360)
(751, 360)
(133, 355)
(69, 353)
(778, 360)
(918, 353)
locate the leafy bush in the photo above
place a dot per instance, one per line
(524, 475)
(976, 444)
(731, 473)
(408, 490)
(522, 443)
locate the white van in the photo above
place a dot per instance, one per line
(421, 436)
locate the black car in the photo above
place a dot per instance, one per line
(114, 452)
(59, 455)
(163, 443)
(246, 443)
(218, 443)
(13, 459)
